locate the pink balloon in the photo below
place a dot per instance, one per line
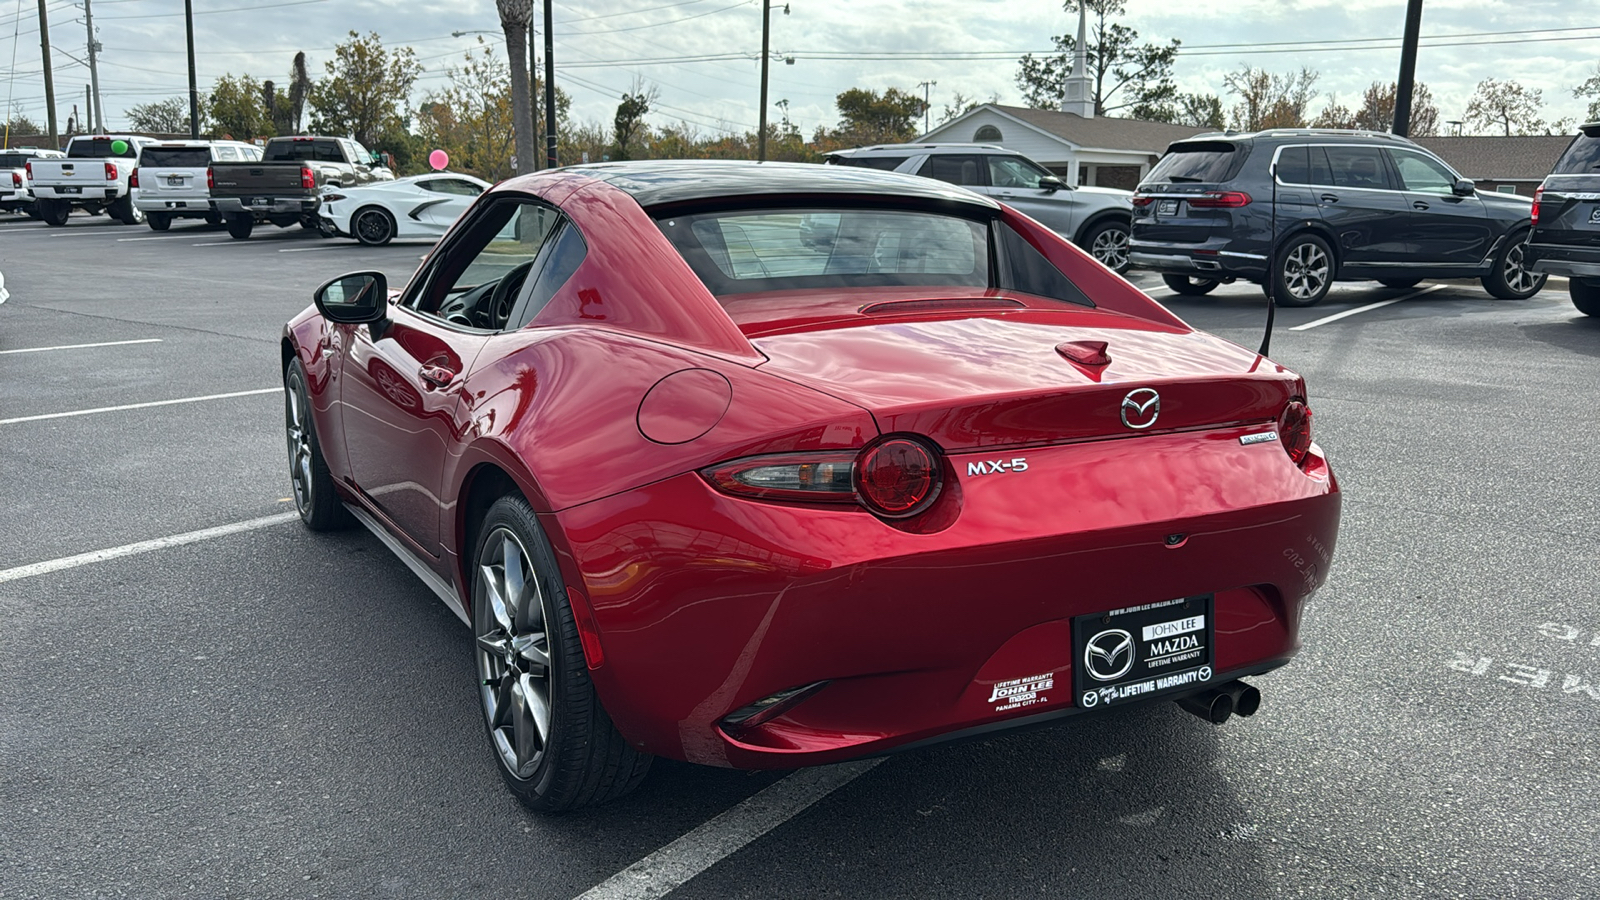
(439, 160)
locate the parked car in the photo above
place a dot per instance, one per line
(93, 176)
(1566, 221)
(173, 179)
(1352, 205)
(709, 484)
(1094, 218)
(284, 186)
(4, 294)
(414, 207)
(16, 192)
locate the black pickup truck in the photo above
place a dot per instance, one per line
(285, 186)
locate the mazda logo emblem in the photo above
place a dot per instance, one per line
(1108, 655)
(1140, 408)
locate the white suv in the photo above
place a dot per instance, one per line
(1095, 218)
(173, 180)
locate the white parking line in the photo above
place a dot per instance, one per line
(105, 409)
(176, 540)
(82, 346)
(667, 869)
(1368, 308)
(222, 244)
(327, 247)
(157, 237)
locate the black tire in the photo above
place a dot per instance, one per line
(1399, 284)
(1508, 279)
(125, 212)
(214, 219)
(33, 210)
(314, 494)
(1189, 285)
(372, 226)
(1585, 294)
(577, 758)
(1305, 270)
(55, 212)
(1107, 241)
(240, 225)
(93, 209)
(158, 221)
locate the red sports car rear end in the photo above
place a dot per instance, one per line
(791, 465)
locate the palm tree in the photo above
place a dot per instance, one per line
(514, 18)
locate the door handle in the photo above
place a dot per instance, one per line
(1418, 204)
(1330, 198)
(438, 376)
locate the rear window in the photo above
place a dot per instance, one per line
(98, 148)
(13, 160)
(175, 157)
(1582, 156)
(1201, 162)
(886, 163)
(293, 151)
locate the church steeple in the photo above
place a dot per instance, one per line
(1078, 96)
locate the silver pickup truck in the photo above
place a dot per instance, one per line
(93, 177)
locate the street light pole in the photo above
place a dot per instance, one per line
(1408, 68)
(927, 87)
(549, 86)
(766, 41)
(194, 92)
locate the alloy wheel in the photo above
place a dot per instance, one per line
(1111, 248)
(513, 652)
(372, 227)
(1305, 271)
(299, 434)
(1518, 277)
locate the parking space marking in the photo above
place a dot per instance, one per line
(106, 409)
(175, 540)
(1369, 307)
(327, 247)
(157, 237)
(82, 346)
(667, 869)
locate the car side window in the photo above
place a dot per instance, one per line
(1421, 173)
(956, 169)
(480, 274)
(227, 154)
(1013, 172)
(566, 250)
(886, 163)
(1359, 167)
(455, 186)
(1294, 165)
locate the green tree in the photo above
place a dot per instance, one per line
(629, 128)
(1590, 90)
(170, 116)
(1268, 100)
(234, 108)
(1505, 106)
(1128, 76)
(365, 92)
(471, 117)
(868, 117)
(20, 124)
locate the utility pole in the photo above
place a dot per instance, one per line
(927, 87)
(49, 82)
(194, 92)
(766, 41)
(549, 86)
(98, 116)
(88, 108)
(1408, 68)
(533, 88)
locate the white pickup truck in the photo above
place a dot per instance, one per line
(94, 176)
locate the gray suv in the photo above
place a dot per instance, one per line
(1095, 218)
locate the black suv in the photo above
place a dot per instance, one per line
(1351, 205)
(1566, 221)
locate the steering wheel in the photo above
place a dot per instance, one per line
(498, 310)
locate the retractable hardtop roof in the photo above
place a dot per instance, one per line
(663, 182)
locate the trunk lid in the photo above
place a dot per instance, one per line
(1569, 211)
(998, 380)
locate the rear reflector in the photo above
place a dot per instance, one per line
(768, 708)
(1220, 200)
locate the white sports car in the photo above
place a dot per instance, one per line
(415, 207)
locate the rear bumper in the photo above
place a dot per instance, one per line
(1209, 259)
(1559, 259)
(705, 604)
(85, 193)
(177, 206)
(275, 206)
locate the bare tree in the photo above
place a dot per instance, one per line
(514, 18)
(1267, 100)
(1506, 106)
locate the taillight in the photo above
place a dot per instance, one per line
(1219, 200)
(332, 198)
(898, 477)
(1142, 200)
(16, 179)
(1294, 431)
(1538, 194)
(893, 478)
(308, 179)
(133, 178)
(111, 172)
(29, 168)
(211, 179)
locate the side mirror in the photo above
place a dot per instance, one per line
(1052, 183)
(354, 299)
(1464, 187)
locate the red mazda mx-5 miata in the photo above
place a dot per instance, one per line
(766, 465)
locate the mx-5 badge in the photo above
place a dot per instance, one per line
(991, 466)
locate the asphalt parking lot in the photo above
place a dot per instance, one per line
(264, 712)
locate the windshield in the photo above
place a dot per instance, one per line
(745, 251)
(1209, 162)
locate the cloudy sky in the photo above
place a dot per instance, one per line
(701, 54)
